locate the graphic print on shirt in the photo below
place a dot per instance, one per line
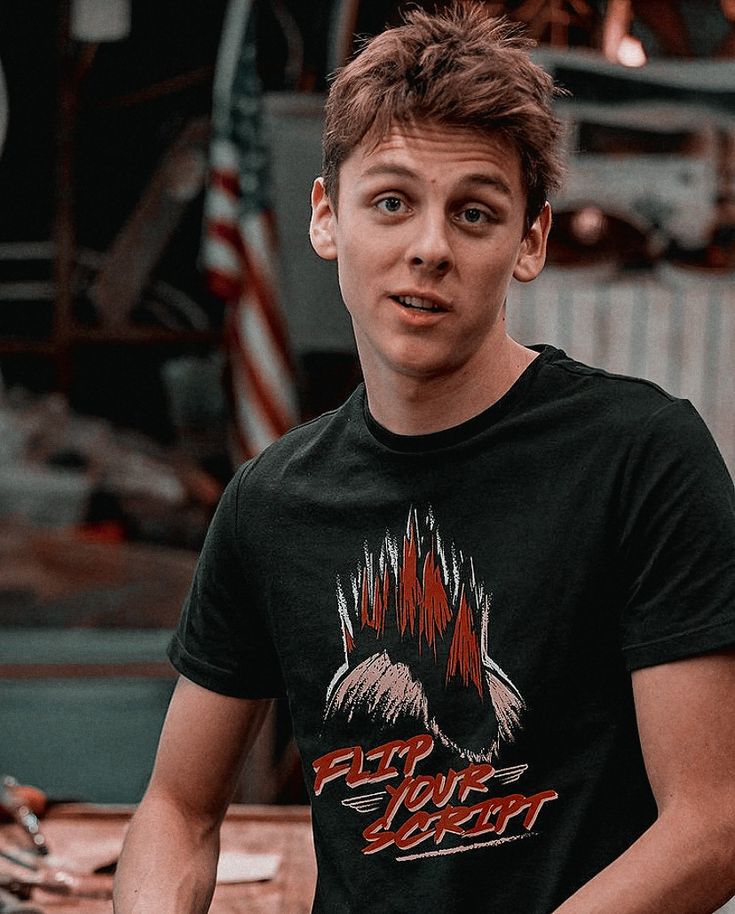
(415, 623)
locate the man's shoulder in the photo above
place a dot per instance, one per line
(599, 393)
(307, 443)
(625, 415)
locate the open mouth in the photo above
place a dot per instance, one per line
(417, 304)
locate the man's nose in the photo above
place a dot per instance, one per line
(431, 248)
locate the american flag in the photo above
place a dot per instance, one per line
(239, 245)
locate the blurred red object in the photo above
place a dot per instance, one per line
(25, 795)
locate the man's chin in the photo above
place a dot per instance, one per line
(424, 366)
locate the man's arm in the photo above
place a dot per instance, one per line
(169, 860)
(684, 863)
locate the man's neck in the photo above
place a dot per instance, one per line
(408, 405)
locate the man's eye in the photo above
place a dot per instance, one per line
(390, 204)
(474, 216)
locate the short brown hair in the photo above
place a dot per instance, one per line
(459, 68)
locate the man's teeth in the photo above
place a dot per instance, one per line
(421, 304)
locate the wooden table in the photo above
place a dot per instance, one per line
(82, 832)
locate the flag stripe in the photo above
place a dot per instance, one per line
(254, 338)
(227, 182)
(264, 409)
(257, 268)
(227, 235)
(239, 246)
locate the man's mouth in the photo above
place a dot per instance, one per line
(417, 304)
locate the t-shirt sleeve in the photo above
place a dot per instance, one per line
(222, 641)
(678, 542)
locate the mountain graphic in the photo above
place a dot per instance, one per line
(415, 628)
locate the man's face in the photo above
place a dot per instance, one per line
(428, 233)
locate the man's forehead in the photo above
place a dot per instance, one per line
(483, 157)
(416, 134)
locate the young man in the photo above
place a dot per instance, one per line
(454, 575)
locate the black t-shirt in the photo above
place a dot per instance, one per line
(454, 618)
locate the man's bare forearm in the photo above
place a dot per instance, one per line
(168, 863)
(678, 867)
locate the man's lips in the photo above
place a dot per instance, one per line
(426, 303)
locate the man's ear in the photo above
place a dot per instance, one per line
(532, 254)
(322, 225)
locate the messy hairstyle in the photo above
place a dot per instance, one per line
(460, 68)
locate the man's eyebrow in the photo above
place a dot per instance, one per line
(402, 171)
(390, 168)
(494, 181)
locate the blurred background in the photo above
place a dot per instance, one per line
(162, 315)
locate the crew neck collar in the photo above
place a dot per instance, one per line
(457, 434)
